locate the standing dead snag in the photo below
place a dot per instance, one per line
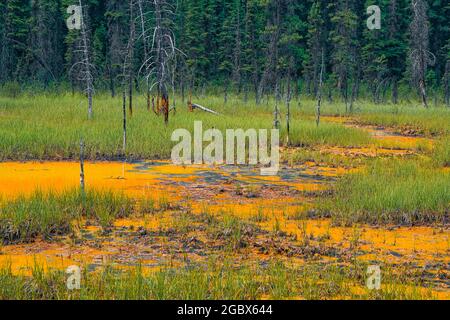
(141, 17)
(127, 65)
(83, 68)
(319, 89)
(447, 84)
(419, 55)
(127, 76)
(159, 65)
(288, 109)
(124, 120)
(276, 113)
(271, 69)
(82, 184)
(130, 53)
(82, 166)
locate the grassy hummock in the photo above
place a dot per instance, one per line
(49, 214)
(392, 191)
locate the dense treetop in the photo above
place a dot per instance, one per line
(239, 45)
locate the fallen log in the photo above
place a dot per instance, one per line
(193, 106)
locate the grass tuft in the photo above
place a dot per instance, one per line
(400, 192)
(49, 214)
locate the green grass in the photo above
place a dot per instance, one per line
(47, 126)
(303, 155)
(49, 214)
(213, 281)
(50, 127)
(306, 134)
(413, 120)
(392, 191)
(441, 152)
(405, 117)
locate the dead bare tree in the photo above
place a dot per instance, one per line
(193, 106)
(271, 68)
(124, 123)
(447, 83)
(83, 68)
(142, 22)
(82, 166)
(127, 77)
(276, 113)
(288, 107)
(419, 54)
(127, 73)
(158, 66)
(130, 56)
(236, 75)
(319, 89)
(173, 70)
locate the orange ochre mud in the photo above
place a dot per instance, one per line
(387, 141)
(194, 227)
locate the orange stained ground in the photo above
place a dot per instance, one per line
(141, 180)
(419, 245)
(423, 244)
(385, 139)
(159, 181)
(25, 178)
(24, 258)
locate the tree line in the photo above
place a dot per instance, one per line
(256, 48)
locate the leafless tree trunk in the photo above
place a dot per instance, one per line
(84, 66)
(88, 75)
(182, 84)
(124, 117)
(172, 79)
(447, 83)
(276, 114)
(237, 53)
(82, 166)
(116, 35)
(272, 54)
(288, 108)
(158, 66)
(319, 89)
(129, 55)
(144, 36)
(419, 55)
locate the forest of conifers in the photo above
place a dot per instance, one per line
(245, 46)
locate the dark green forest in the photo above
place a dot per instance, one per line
(250, 47)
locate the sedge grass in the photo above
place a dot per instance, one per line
(48, 214)
(392, 191)
(441, 152)
(50, 127)
(212, 281)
